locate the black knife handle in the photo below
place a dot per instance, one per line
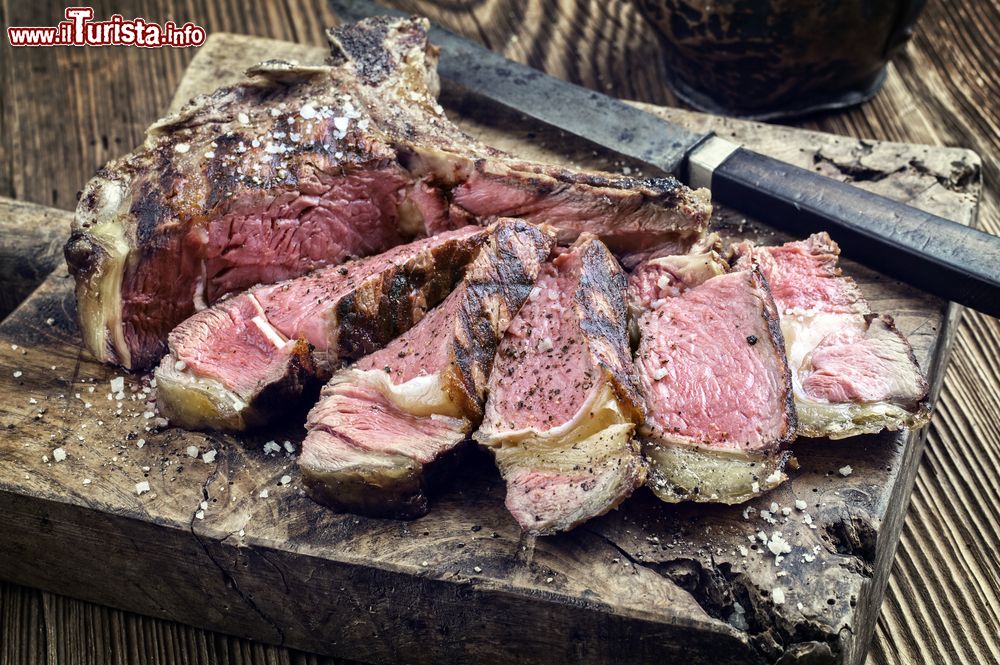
(937, 255)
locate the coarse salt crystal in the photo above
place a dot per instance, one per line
(271, 447)
(778, 545)
(308, 112)
(209, 457)
(289, 446)
(477, 569)
(59, 454)
(659, 373)
(263, 494)
(140, 443)
(243, 118)
(846, 470)
(275, 113)
(142, 488)
(774, 479)
(663, 282)
(755, 487)
(86, 481)
(118, 384)
(774, 506)
(545, 344)
(778, 595)
(209, 155)
(285, 480)
(800, 504)
(17, 374)
(200, 514)
(182, 147)
(192, 451)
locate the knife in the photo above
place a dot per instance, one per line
(942, 257)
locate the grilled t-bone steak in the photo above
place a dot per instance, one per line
(712, 369)
(300, 167)
(251, 356)
(379, 423)
(563, 395)
(852, 371)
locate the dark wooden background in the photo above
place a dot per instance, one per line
(65, 111)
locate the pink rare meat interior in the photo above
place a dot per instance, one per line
(718, 389)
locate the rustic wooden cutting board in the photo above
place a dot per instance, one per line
(226, 545)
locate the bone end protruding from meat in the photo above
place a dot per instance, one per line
(95, 254)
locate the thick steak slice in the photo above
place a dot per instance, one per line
(249, 357)
(379, 424)
(563, 396)
(852, 371)
(302, 167)
(712, 368)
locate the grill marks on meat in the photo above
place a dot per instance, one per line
(379, 424)
(712, 368)
(226, 363)
(564, 396)
(302, 167)
(852, 371)
(254, 184)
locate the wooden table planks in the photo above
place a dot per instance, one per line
(937, 92)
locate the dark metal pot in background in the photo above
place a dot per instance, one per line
(778, 58)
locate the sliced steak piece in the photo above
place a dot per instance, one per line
(852, 371)
(302, 167)
(380, 423)
(712, 369)
(249, 357)
(563, 396)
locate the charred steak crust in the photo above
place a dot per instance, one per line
(369, 319)
(226, 359)
(305, 166)
(495, 296)
(381, 425)
(605, 321)
(564, 398)
(770, 314)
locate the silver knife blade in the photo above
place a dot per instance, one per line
(602, 120)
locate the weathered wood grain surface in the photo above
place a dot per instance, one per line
(943, 594)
